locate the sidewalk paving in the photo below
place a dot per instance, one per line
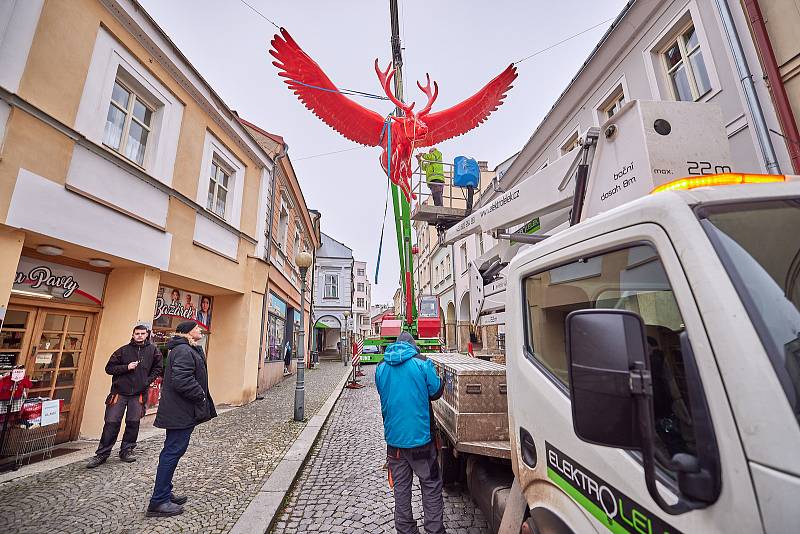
(228, 461)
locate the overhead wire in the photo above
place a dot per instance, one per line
(349, 92)
(550, 47)
(329, 153)
(260, 14)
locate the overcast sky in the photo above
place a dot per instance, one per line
(462, 44)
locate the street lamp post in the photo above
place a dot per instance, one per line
(303, 260)
(346, 315)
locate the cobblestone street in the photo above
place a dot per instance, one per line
(343, 486)
(227, 462)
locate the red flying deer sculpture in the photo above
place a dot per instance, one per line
(357, 123)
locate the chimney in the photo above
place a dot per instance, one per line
(483, 165)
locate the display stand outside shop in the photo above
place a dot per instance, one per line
(29, 426)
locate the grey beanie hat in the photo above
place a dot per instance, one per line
(185, 327)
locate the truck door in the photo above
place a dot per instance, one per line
(584, 487)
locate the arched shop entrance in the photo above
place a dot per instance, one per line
(328, 335)
(450, 323)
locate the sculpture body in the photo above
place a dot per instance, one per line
(364, 126)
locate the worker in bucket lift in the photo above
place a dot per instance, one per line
(431, 163)
(407, 382)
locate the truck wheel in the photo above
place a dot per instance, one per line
(543, 521)
(449, 466)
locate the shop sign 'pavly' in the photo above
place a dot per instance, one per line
(58, 281)
(618, 512)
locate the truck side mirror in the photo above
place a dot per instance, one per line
(602, 348)
(612, 401)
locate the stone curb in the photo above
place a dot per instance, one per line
(260, 513)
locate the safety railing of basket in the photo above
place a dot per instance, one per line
(452, 197)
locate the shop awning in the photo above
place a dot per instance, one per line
(319, 324)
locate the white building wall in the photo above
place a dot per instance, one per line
(361, 313)
(629, 59)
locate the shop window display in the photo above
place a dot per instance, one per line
(174, 305)
(276, 329)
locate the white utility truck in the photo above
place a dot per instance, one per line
(652, 337)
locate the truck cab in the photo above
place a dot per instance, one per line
(653, 365)
(652, 336)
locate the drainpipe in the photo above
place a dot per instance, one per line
(453, 282)
(311, 322)
(276, 169)
(775, 81)
(751, 99)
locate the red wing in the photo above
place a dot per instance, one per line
(470, 113)
(350, 119)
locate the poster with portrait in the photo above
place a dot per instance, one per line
(174, 305)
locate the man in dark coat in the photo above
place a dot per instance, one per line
(133, 367)
(185, 403)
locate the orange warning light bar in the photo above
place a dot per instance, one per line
(692, 182)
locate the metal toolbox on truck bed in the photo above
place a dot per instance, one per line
(473, 407)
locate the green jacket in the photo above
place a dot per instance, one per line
(432, 165)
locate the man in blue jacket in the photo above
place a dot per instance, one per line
(407, 383)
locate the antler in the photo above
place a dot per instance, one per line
(386, 77)
(427, 91)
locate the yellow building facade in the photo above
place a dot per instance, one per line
(129, 193)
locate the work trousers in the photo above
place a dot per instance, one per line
(437, 190)
(403, 465)
(175, 445)
(132, 408)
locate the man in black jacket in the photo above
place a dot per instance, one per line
(185, 403)
(132, 367)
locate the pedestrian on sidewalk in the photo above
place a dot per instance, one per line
(185, 403)
(431, 163)
(287, 358)
(407, 383)
(133, 367)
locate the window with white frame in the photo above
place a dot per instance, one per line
(360, 302)
(360, 272)
(283, 227)
(464, 261)
(571, 143)
(360, 286)
(221, 183)
(296, 243)
(128, 123)
(218, 186)
(480, 243)
(331, 286)
(685, 66)
(612, 106)
(126, 108)
(436, 276)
